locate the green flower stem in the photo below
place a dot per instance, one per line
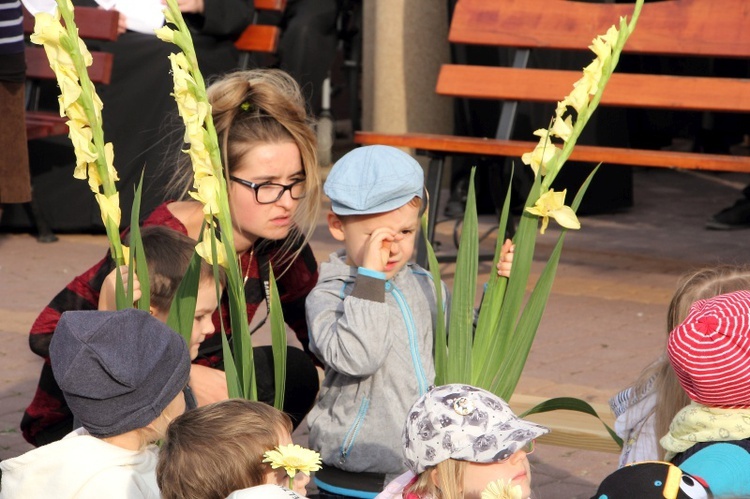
(584, 116)
(71, 46)
(242, 366)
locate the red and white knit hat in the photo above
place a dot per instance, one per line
(710, 351)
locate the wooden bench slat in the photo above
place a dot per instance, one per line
(623, 89)
(591, 154)
(37, 66)
(685, 27)
(273, 5)
(259, 38)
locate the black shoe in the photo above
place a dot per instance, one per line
(735, 217)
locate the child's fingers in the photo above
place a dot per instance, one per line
(505, 263)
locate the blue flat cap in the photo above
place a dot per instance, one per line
(373, 179)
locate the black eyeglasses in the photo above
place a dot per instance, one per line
(270, 192)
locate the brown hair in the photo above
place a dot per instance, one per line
(699, 285)
(213, 450)
(168, 253)
(263, 106)
(449, 478)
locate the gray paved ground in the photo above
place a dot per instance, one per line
(604, 321)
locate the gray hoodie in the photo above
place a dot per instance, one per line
(375, 338)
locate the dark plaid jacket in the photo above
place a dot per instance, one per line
(48, 407)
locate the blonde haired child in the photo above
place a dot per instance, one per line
(217, 449)
(645, 410)
(459, 439)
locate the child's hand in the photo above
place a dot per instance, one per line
(107, 293)
(505, 262)
(208, 384)
(377, 249)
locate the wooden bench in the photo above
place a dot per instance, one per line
(260, 38)
(93, 24)
(672, 27)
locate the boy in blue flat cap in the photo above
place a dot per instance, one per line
(372, 318)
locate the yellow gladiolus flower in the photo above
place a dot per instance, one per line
(542, 154)
(109, 207)
(293, 458)
(578, 98)
(203, 249)
(500, 489)
(551, 204)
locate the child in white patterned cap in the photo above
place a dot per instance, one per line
(458, 440)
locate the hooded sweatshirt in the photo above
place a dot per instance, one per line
(375, 338)
(81, 466)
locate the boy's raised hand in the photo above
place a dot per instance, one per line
(505, 262)
(107, 293)
(377, 249)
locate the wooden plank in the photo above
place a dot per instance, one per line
(259, 38)
(569, 428)
(679, 27)
(93, 23)
(37, 66)
(276, 5)
(623, 89)
(590, 154)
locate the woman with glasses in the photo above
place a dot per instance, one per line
(269, 155)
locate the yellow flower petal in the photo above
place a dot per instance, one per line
(165, 33)
(203, 249)
(207, 193)
(109, 207)
(544, 153)
(47, 29)
(562, 128)
(500, 489)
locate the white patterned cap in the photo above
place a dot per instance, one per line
(465, 423)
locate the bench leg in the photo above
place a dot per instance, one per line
(432, 184)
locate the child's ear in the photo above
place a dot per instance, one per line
(335, 226)
(434, 477)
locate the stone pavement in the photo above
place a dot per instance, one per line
(604, 322)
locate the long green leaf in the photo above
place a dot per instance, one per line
(441, 341)
(571, 404)
(230, 370)
(136, 248)
(461, 328)
(489, 314)
(182, 310)
(278, 341)
(502, 334)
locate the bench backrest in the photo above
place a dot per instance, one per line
(716, 28)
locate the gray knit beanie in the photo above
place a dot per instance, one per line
(117, 370)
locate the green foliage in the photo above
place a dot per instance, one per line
(278, 341)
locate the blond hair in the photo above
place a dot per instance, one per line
(659, 377)
(263, 106)
(213, 450)
(448, 483)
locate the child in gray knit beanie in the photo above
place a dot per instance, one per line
(122, 375)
